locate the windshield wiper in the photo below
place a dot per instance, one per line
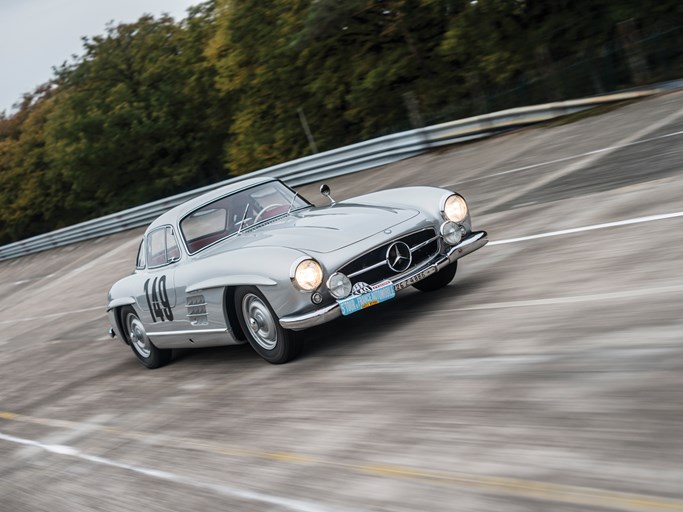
(292, 203)
(243, 218)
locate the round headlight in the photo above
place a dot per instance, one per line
(308, 275)
(455, 208)
(451, 232)
(339, 285)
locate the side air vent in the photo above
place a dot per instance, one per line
(196, 310)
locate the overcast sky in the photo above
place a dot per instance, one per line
(36, 35)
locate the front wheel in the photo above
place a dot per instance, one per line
(262, 327)
(438, 280)
(149, 355)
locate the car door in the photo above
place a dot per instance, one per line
(157, 295)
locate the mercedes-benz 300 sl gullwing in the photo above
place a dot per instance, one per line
(255, 262)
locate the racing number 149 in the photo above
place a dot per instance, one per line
(157, 299)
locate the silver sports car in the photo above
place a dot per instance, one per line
(254, 261)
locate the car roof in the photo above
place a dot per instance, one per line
(174, 215)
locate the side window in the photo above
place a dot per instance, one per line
(162, 247)
(156, 248)
(140, 260)
(173, 253)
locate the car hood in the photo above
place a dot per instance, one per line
(322, 230)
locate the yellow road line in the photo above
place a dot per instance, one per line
(501, 485)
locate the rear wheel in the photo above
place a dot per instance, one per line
(438, 280)
(262, 327)
(144, 350)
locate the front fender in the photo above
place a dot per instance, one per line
(114, 320)
(123, 301)
(429, 200)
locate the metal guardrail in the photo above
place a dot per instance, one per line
(337, 162)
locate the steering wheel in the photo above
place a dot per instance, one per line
(266, 209)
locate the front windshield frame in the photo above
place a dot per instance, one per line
(234, 204)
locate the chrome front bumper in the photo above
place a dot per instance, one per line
(475, 241)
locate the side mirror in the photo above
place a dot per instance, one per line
(325, 190)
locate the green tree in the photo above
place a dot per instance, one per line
(30, 194)
(254, 55)
(346, 64)
(138, 116)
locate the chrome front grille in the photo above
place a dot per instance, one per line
(372, 266)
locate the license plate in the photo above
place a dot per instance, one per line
(414, 279)
(380, 292)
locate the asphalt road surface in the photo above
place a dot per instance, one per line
(547, 376)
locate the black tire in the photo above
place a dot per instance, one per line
(438, 280)
(262, 327)
(143, 348)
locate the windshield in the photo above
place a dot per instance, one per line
(228, 215)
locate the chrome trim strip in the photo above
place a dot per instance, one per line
(476, 240)
(196, 314)
(195, 305)
(317, 317)
(188, 333)
(426, 242)
(367, 269)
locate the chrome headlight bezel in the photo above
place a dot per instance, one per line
(306, 274)
(454, 208)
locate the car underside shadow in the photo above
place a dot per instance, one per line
(207, 356)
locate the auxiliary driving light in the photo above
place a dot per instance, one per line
(339, 285)
(451, 232)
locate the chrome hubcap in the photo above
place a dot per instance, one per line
(260, 321)
(138, 337)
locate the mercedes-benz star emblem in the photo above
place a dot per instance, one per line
(399, 256)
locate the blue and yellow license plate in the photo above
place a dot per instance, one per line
(380, 292)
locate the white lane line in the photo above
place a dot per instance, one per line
(52, 315)
(573, 157)
(625, 222)
(625, 294)
(24, 281)
(225, 490)
(60, 437)
(544, 179)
